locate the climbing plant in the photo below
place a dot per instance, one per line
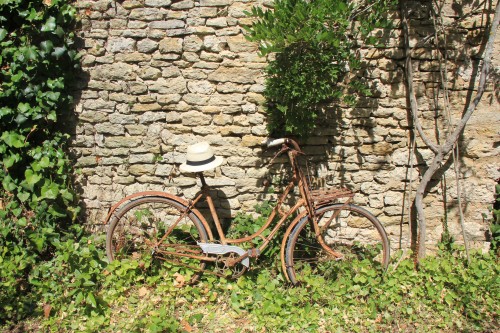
(37, 61)
(316, 48)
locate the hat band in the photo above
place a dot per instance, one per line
(198, 163)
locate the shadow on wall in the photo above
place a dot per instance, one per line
(80, 83)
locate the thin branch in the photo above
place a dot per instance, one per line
(409, 79)
(444, 81)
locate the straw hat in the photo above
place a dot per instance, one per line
(200, 157)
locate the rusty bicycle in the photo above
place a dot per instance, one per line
(322, 226)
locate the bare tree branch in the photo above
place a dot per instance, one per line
(441, 151)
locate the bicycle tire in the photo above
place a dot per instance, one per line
(135, 227)
(353, 232)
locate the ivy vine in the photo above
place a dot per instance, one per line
(316, 54)
(37, 62)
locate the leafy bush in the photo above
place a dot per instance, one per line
(37, 60)
(316, 54)
(495, 220)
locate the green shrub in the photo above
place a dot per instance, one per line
(37, 61)
(316, 47)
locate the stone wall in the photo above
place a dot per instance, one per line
(159, 75)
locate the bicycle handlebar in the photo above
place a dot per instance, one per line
(269, 142)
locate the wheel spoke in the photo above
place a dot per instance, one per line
(353, 233)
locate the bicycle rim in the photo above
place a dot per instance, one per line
(350, 234)
(136, 229)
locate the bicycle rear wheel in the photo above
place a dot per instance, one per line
(136, 229)
(348, 232)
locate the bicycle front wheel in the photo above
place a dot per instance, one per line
(347, 233)
(153, 230)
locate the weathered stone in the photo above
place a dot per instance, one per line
(145, 14)
(213, 3)
(218, 22)
(135, 129)
(119, 44)
(213, 44)
(168, 24)
(157, 3)
(190, 57)
(99, 104)
(141, 169)
(121, 119)
(168, 99)
(233, 74)
(171, 71)
(150, 117)
(195, 99)
(172, 86)
(108, 128)
(192, 43)
(122, 141)
(201, 87)
(241, 44)
(194, 118)
(87, 161)
(222, 119)
(149, 73)
(382, 148)
(138, 107)
(147, 45)
(143, 158)
(251, 141)
(115, 71)
(184, 4)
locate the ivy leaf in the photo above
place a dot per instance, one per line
(47, 46)
(59, 52)
(91, 299)
(49, 190)
(31, 53)
(13, 139)
(9, 161)
(49, 25)
(23, 196)
(30, 180)
(3, 34)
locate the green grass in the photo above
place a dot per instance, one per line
(443, 295)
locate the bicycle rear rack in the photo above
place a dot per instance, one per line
(322, 196)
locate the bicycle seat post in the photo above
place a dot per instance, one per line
(203, 182)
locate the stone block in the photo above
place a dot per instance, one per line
(146, 14)
(201, 87)
(139, 107)
(158, 3)
(120, 45)
(215, 3)
(150, 117)
(182, 5)
(122, 141)
(195, 99)
(136, 129)
(239, 44)
(141, 169)
(168, 24)
(195, 118)
(142, 158)
(176, 85)
(147, 46)
(217, 22)
(168, 99)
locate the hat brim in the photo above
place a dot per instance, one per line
(199, 168)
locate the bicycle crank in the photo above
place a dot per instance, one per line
(219, 249)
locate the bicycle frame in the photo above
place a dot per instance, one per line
(306, 201)
(297, 180)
